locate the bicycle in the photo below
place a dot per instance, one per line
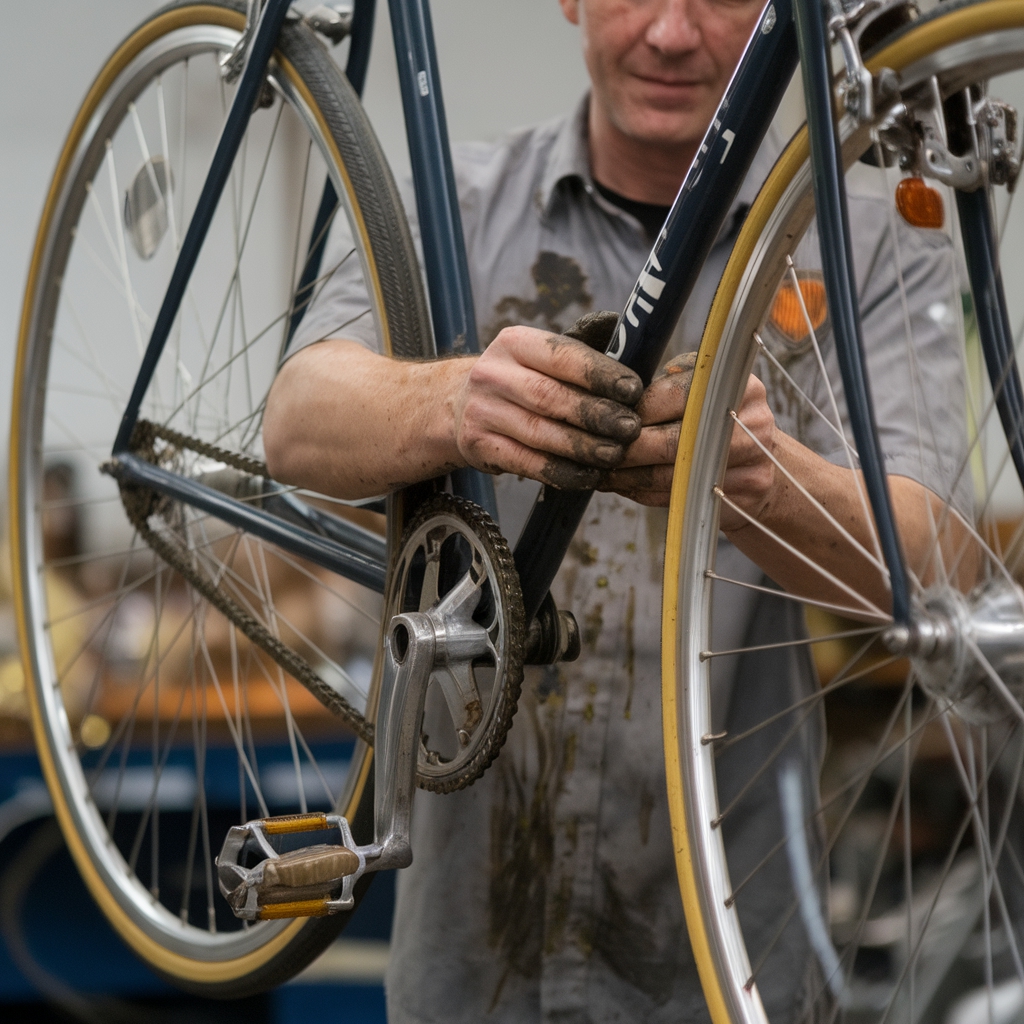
(189, 612)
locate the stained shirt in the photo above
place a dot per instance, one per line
(547, 891)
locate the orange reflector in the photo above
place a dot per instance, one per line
(298, 908)
(286, 824)
(787, 313)
(919, 204)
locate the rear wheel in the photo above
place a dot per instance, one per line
(848, 819)
(159, 722)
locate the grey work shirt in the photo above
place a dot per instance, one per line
(547, 890)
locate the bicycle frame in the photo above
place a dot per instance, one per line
(786, 30)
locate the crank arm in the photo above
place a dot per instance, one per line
(306, 865)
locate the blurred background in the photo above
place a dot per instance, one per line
(502, 65)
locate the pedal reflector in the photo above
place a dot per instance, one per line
(298, 908)
(286, 824)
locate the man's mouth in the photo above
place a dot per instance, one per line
(670, 83)
(670, 94)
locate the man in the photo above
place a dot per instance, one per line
(547, 891)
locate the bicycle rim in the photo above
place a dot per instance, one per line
(895, 885)
(159, 724)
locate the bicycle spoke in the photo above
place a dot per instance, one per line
(815, 504)
(233, 281)
(810, 563)
(843, 676)
(799, 391)
(297, 245)
(859, 779)
(879, 860)
(838, 609)
(271, 619)
(117, 394)
(802, 642)
(115, 203)
(847, 448)
(905, 798)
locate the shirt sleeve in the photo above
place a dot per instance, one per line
(340, 306)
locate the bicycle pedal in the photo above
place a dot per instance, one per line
(282, 867)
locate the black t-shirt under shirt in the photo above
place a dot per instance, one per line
(651, 215)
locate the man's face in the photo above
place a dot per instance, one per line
(660, 67)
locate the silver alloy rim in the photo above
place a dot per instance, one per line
(993, 53)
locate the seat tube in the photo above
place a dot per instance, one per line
(437, 204)
(841, 286)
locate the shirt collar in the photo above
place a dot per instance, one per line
(569, 157)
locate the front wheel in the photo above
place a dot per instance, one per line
(159, 722)
(847, 805)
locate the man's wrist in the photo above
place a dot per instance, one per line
(443, 395)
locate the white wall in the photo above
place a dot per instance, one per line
(502, 64)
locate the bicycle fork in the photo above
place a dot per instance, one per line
(967, 175)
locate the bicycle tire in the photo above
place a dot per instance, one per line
(166, 71)
(963, 43)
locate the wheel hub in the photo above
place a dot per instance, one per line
(968, 650)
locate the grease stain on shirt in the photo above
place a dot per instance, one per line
(646, 807)
(630, 660)
(624, 936)
(522, 854)
(560, 283)
(593, 623)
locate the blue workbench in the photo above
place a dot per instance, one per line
(70, 941)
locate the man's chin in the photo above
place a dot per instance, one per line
(668, 130)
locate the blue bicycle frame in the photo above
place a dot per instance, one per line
(787, 30)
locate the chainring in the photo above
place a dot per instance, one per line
(469, 703)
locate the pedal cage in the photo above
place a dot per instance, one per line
(290, 878)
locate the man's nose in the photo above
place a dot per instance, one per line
(674, 28)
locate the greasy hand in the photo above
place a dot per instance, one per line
(547, 407)
(645, 474)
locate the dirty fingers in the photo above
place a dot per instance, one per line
(645, 473)
(547, 407)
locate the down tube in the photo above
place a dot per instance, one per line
(672, 269)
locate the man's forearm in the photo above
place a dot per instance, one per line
(351, 423)
(841, 543)
(345, 421)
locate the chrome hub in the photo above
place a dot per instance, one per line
(968, 650)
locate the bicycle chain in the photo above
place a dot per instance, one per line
(141, 502)
(145, 433)
(506, 583)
